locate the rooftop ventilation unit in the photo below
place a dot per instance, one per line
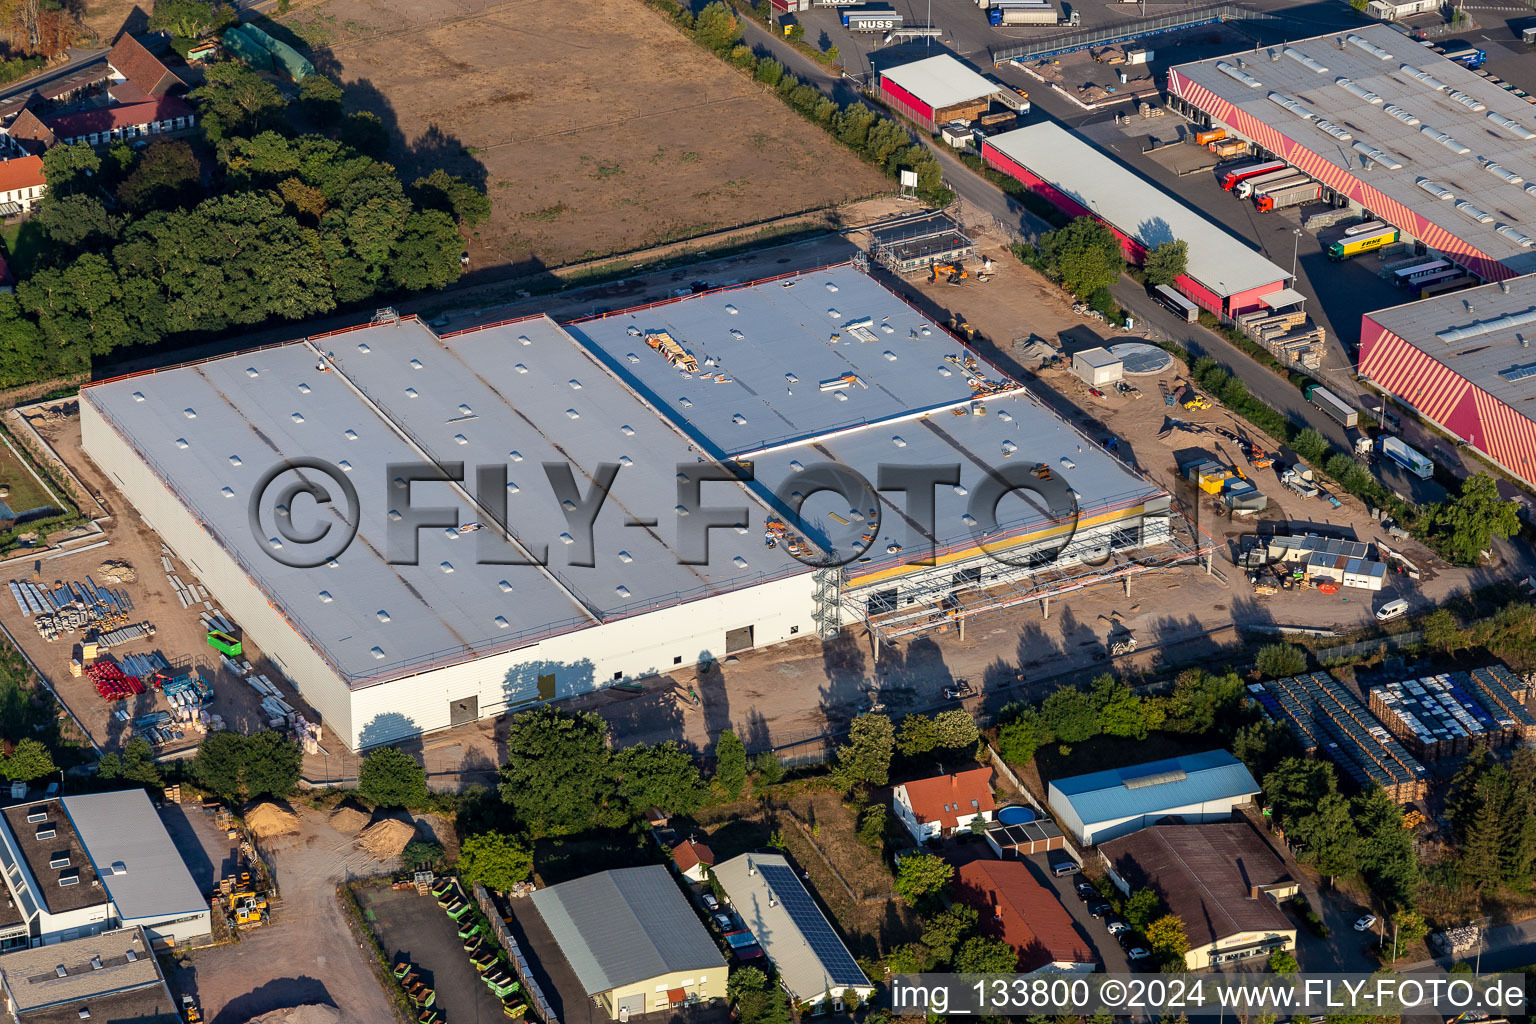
(1470, 102)
(1471, 211)
(1369, 47)
(1238, 74)
(1445, 140)
(1305, 61)
(1435, 189)
(1507, 322)
(1357, 90)
(1514, 128)
(1372, 153)
(1282, 100)
(1425, 77)
(1502, 173)
(1334, 130)
(1516, 237)
(1401, 114)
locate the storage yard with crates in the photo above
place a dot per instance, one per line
(1446, 715)
(645, 139)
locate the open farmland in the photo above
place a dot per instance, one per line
(595, 127)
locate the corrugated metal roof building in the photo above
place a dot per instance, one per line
(935, 90)
(1194, 788)
(633, 941)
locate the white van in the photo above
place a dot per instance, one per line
(1391, 610)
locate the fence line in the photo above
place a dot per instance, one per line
(1391, 643)
(1127, 31)
(531, 987)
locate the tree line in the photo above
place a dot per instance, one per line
(141, 245)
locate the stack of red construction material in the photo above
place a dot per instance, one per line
(111, 683)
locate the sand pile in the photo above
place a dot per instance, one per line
(269, 819)
(349, 819)
(311, 1014)
(114, 571)
(387, 839)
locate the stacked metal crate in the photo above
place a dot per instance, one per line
(1503, 693)
(1437, 716)
(1327, 717)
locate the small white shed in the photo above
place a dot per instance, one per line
(1097, 366)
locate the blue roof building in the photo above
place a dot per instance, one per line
(1194, 788)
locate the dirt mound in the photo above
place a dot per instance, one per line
(349, 819)
(1177, 432)
(116, 571)
(312, 1014)
(387, 839)
(269, 819)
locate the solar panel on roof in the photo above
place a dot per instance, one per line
(813, 926)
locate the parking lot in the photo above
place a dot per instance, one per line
(414, 928)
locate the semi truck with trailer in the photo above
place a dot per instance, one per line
(1331, 404)
(1246, 188)
(1411, 459)
(1471, 57)
(1253, 169)
(1354, 245)
(1030, 14)
(1292, 195)
(868, 19)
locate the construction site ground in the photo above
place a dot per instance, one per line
(180, 635)
(595, 128)
(307, 955)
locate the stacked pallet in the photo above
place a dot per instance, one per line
(1330, 719)
(1501, 691)
(1438, 716)
(1265, 325)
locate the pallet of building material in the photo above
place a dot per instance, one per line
(230, 665)
(21, 602)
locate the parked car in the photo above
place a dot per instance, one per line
(1137, 955)
(1366, 923)
(1086, 891)
(1117, 927)
(1128, 940)
(1391, 610)
(710, 903)
(724, 922)
(1098, 908)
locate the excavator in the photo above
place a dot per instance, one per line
(953, 273)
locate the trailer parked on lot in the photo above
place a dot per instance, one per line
(1331, 404)
(1246, 188)
(1354, 245)
(1411, 459)
(1292, 195)
(1242, 172)
(865, 19)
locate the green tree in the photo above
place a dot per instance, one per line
(1481, 855)
(70, 168)
(769, 72)
(29, 760)
(872, 826)
(167, 174)
(1085, 256)
(1328, 832)
(1276, 661)
(1387, 857)
(320, 98)
(1168, 940)
(556, 777)
(1295, 786)
(217, 765)
(22, 359)
(756, 998)
(1466, 525)
(1442, 632)
(921, 878)
(1117, 711)
(1142, 907)
(955, 728)
(273, 765)
(135, 764)
(234, 100)
(1168, 262)
(908, 958)
(1017, 740)
(1311, 445)
(715, 28)
(833, 54)
(1264, 744)
(867, 756)
(768, 768)
(981, 955)
(917, 736)
(443, 191)
(427, 256)
(1283, 961)
(422, 853)
(945, 930)
(730, 763)
(1069, 715)
(77, 221)
(659, 775)
(189, 19)
(364, 131)
(1203, 702)
(495, 860)
(389, 777)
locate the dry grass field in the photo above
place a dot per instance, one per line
(595, 127)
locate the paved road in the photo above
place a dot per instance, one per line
(77, 59)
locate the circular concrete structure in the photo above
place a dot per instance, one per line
(1141, 359)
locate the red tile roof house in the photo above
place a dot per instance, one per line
(1022, 910)
(105, 125)
(692, 858)
(935, 807)
(21, 183)
(130, 60)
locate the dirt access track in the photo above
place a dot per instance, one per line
(594, 127)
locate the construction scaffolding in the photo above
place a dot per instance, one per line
(916, 243)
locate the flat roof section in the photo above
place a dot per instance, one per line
(940, 81)
(1223, 263)
(113, 970)
(1418, 126)
(515, 396)
(54, 853)
(769, 372)
(134, 855)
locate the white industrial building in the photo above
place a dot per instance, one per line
(776, 377)
(1189, 789)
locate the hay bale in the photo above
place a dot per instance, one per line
(387, 839)
(349, 819)
(269, 819)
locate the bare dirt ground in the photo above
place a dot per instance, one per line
(179, 634)
(595, 127)
(308, 955)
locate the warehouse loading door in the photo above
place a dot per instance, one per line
(463, 712)
(547, 687)
(738, 640)
(631, 1006)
